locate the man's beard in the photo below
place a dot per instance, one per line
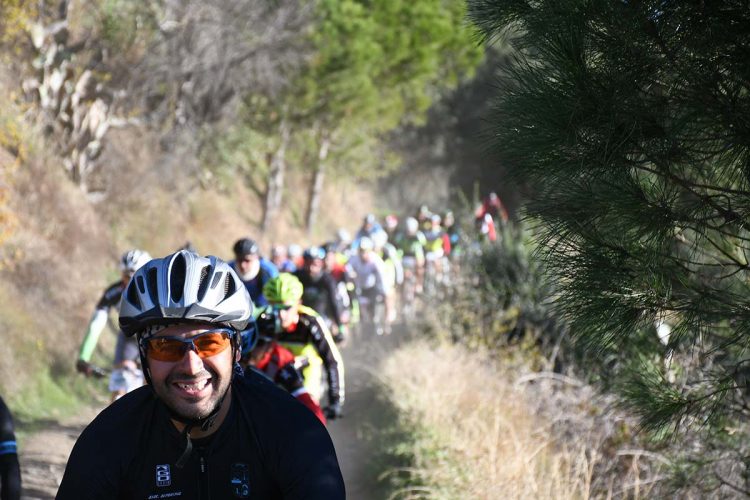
(186, 409)
(251, 273)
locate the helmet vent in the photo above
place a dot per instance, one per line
(177, 278)
(132, 295)
(228, 286)
(217, 278)
(203, 282)
(151, 282)
(141, 286)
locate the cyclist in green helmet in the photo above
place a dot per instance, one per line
(301, 330)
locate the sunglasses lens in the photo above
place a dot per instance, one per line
(173, 349)
(211, 344)
(166, 349)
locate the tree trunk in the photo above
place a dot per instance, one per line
(316, 188)
(276, 178)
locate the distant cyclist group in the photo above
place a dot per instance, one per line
(203, 347)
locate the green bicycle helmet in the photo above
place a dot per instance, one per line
(283, 289)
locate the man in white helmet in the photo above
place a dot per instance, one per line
(126, 375)
(199, 429)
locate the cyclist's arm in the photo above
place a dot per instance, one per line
(419, 253)
(95, 329)
(397, 265)
(10, 472)
(334, 364)
(334, 304)
(446, 243)
(379, 273)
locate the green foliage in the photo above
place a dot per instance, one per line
(374, 66)
(506, 297)
(378, 65)
(15, 17)
(45, 397)
(629, 122)
(126, 24)
(384, 61)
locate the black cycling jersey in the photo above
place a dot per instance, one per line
(320, 294)
(111, 296)
(10, 472)
(126, 348)
(268, 446)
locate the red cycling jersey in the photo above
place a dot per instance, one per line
(278, 357)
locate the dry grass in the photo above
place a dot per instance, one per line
(480, 431)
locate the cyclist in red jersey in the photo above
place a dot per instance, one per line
(493, 206)
(263, 354)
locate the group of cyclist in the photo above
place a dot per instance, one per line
(284, 318)
(308, 301)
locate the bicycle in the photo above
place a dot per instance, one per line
(372, 320)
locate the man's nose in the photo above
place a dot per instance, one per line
(191, 362)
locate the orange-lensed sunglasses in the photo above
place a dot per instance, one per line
(204, 344)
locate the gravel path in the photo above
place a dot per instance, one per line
(44, 453)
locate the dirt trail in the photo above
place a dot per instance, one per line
(44, 452)
(356, 435)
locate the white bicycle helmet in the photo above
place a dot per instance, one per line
(366, 243)
(412, 225)
(132, 260)
(379, 239)
(184, 287)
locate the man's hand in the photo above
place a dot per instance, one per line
(341, 334)
(333, 411)
(289, 378)
(83, 367)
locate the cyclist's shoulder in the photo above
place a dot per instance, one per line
(264, 402)
(269, 267)
(130, 406)
(284, 426)
(111, 295)
(308, 315)
(118, 425)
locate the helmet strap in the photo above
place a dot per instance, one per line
(180, 463)
(203, 423)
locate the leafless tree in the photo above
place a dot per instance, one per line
(208, 53)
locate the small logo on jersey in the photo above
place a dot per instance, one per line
(163, 477)
(241, 480)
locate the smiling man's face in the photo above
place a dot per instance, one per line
(192, 386)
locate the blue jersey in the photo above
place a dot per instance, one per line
(10, 471)
(255, 286)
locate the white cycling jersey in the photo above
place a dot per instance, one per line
(367, 275)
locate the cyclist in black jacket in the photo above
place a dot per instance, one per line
(10, 472)
(198, 431)
(320, 292)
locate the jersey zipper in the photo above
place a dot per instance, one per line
(204, 491)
